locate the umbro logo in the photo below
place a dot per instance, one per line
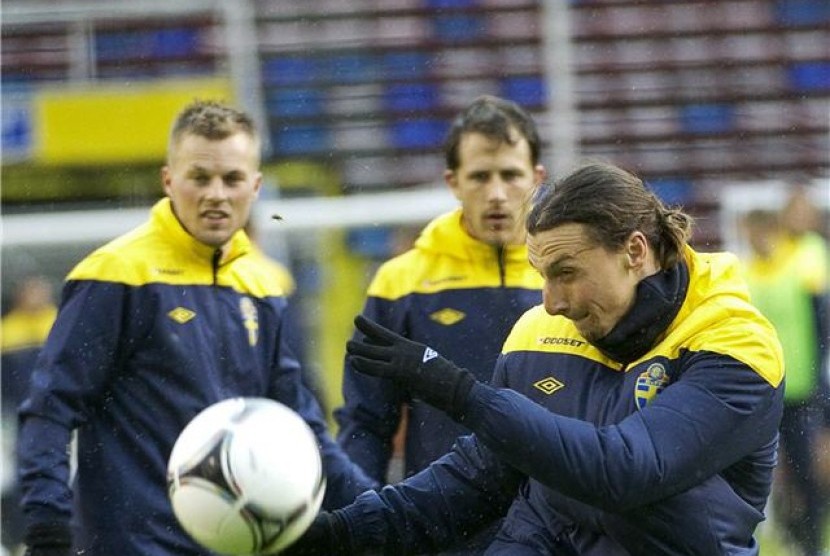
(447, 316)
(548, 385)
(181, 315)
(429, 353)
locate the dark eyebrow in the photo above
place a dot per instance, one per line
(196, 169)
(554, 265)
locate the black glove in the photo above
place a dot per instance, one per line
(50, 539)
(326, 536)
(419, 368)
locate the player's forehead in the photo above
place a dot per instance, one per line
(236, 151)
(567, 242)
(476, 147)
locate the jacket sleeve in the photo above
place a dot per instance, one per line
(372, 406)
(456, 496)
(71, 370)
(344, 479)
(718, 411)
(452, 499)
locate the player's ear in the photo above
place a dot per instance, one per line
(636, 249)
(166, 179)
(257, 183)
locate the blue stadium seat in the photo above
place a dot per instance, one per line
(408, 65)
(300, 139)
(295, 102)
(707, 118)
(527, 91)
(290, 70)
(403, 97)
(672, 191)
(459, 28)
(175, 42)
(126, 45)
(443, 4)
(424, 133)
(352, 68)
(809, 76)
(802, 12)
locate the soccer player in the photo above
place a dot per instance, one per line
(787, 276)
(634, 412)
(23, 331)
(154, 327)
(460, 288)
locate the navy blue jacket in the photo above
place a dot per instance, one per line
(659, 440)
(153, 328)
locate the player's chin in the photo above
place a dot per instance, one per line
(214, 238)
(499, 235)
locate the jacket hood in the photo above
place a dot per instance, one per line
(446, 235)
(162, 216)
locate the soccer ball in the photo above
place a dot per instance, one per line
(245, 477)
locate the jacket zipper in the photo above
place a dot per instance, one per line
(500, 255)
(217, 256)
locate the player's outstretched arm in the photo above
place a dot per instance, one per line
(650, 455)
(449, 501)
(419, 368)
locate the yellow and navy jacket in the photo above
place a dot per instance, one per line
(660, 440)
(450, 291)
(153, 327)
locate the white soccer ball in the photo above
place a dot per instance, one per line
(245, 477)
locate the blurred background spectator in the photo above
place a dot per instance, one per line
(787, 275)
(23, 330)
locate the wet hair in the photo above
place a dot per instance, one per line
(612, 203)
(212, 120)
(495, 118)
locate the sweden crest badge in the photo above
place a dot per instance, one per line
(650, 383)
(249, 319)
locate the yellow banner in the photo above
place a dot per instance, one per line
(114, 123)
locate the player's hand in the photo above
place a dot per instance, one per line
(419, 368)
(326, 536)
(48, 540)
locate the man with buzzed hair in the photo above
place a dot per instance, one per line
(154, 327)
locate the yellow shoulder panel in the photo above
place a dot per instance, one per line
(538, 331)
(139, 258)
(412, 272)
(416, 272)
(254, 276)
(747, 337)
(730, 326)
